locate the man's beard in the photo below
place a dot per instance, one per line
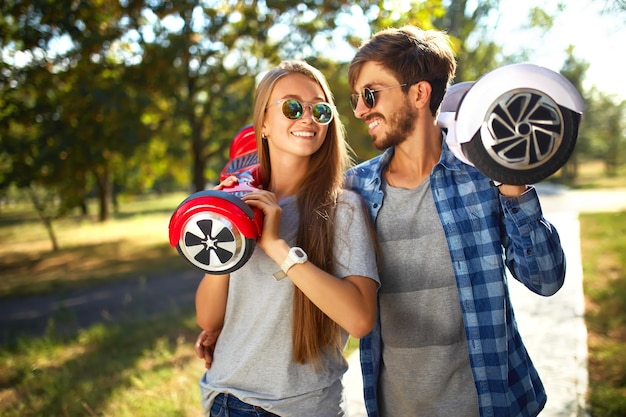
(401, 126)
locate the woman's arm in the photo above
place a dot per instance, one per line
(350, 301)
(211, 298)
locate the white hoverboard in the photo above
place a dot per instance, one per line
(517, 124)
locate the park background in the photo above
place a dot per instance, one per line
(112, 112)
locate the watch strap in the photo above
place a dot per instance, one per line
(278, 275)
(295, 256)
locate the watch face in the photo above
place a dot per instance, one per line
(299, 253)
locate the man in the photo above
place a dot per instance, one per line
(446, 342)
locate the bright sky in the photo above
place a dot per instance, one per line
(598, 39)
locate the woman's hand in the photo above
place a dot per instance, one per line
(272, 212)
(228, 182)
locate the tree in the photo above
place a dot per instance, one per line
(465, 22)
(72, 76)
(574, 70)
(603, 130)
(111, 96)
(612, 6)
(23, 161)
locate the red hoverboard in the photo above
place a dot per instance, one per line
(214, 230)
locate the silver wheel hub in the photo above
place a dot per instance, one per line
(211, 242)
(523, 129)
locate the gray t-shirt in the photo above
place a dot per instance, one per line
(425, 369)
(253, 354)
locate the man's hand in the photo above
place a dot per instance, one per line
(508, 190)
(205, 346)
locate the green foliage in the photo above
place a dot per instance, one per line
(113, 98)
(603, 128)
(476, 54)
(74, 116)
(539, 18)
(604, 267)
(574, 70)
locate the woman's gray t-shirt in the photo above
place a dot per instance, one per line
(253, 354)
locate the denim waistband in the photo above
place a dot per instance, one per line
(233, 403)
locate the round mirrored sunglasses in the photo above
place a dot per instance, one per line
(368, 96)
(293, 110)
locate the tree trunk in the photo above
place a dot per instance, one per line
(40, 207)
(83, 207)
(199, 181)
(102, 179)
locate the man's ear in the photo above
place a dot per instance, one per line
(420, 92)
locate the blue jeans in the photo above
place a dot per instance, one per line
(226, 405)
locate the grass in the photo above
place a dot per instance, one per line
(147, 368)
(134, 242)
(122, 370)
(592, 174)
(142, 368)
(603, 241)
(134, 368)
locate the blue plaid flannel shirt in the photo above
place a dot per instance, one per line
(478, 224)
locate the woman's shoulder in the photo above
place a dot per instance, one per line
(350, 200)
(349, 196)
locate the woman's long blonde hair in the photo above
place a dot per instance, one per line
(312, 330)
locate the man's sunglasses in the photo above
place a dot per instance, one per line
(293, 110)
(368, 96)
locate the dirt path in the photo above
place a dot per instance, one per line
(140, 297)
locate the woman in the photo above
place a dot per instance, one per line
(279, 350)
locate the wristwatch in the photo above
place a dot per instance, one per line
(295, 256)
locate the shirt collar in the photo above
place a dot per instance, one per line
(448, 160)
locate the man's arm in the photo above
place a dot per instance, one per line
(534, 254)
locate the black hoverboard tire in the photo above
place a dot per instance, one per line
(525, 137)
(210, 238)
